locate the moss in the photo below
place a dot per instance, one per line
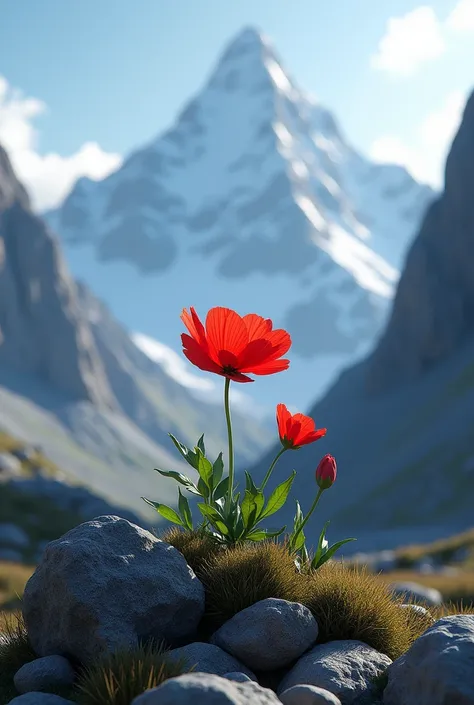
(236, 578)
(119, 678)
(354, 604)
(197, 548)
(15, 651)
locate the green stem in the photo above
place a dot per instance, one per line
(305, 520)
(230, 490)
(270, 469)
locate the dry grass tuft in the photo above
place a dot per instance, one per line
(15, 651)
(354, 604)
(238, 577)
(121, 677)
(197, 548)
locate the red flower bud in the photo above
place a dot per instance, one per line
(326, 472)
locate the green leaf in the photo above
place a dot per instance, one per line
(221, 489)
(330, 552)
(250, 485)
(217, 470)
(278, 497)
(165, 511)
(179, 477)
(200, 445)
(297, 545)
(210, 513)
(262, 534)
(189, 455)
(203, 489)
(248, 509)
(320, 547)
(204, 468)
(185, 511)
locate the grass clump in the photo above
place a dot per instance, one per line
(197, 548)
(13, 578)
(354, 604)
(15, 651)
(237, 577)
(120, 677)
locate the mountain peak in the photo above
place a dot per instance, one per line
(11, 189)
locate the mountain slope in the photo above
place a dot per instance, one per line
(253, 194)
(72, 381)
(401, 423)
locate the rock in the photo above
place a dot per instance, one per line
(438, 668)
(40, 699)
(308, 695)
(237, 676)
(11, 535)
(209, 658)
(208, 689)
(345, 668)
(44, 674)
(118, 584)
(417, 593)
(418, 609)
(269, 634)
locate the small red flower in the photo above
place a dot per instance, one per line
(231, 345)
(326, 472)
(296, 430)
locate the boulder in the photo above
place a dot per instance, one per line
(438, 668)
(414, 592)
(108, 584)
(44, 674)
(197, 688)
(308, 695)
(345, 668)
(237, 676)
(269, 634)
(208, 658)
(40, 699)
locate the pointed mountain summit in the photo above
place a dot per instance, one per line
(255, 191)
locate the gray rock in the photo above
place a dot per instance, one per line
(208, 689)
(438, 668)
(107, 584)
(237, 676)
(11, 535)
(269, 634)
(209, 658)
(345, 668)
(44, 674)
(417, 593)
(418, 609)
(308, 695)
(40, 699)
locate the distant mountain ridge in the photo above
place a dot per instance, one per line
(401, 422)
(253, 194)
(72, 380)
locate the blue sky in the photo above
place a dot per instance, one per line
(85, 82)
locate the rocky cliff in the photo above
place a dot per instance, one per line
(42, 330)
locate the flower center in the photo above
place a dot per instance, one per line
(229, 370)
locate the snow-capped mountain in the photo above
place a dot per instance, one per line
(252, 199)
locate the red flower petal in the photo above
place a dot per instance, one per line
(225, 331)
(257, 326)
(270, 367)
(197, 355)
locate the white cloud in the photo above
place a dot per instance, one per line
(420, 36)
(409, 42)
(425, 159)
(461, 18)
(48, 177)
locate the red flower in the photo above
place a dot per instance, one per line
(326, 472)
(296, 430)
(231, 345)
